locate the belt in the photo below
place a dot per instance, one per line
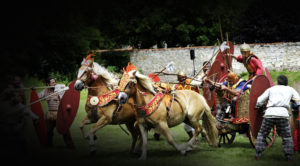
(278, 106)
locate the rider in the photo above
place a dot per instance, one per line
(51, 116)
(251, 62)
(231, 88)
(186, 83)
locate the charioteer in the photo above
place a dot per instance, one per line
(251, 62)
(231, 89)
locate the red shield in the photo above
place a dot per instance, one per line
(214, 74)
(40, 128)
(67, 109)
(259, 85)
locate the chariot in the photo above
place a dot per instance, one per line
(244, 118)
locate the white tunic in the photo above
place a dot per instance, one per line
(278, 98)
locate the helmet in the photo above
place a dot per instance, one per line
(181, 73)
(245, 47)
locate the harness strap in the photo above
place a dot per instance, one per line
(173, 98)
(115, 113)
(123, 129)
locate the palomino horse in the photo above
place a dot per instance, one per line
(188, 107)
(102, 106)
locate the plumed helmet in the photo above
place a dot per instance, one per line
(245, 47)
(181, 73)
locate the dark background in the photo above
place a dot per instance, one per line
(52, 37)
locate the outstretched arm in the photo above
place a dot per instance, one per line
(231, 91)
(222, 87)
(262, 98)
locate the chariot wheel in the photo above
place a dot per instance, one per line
(269, 140)
(226, 138)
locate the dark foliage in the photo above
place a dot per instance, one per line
(53, 36)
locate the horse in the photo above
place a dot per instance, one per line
(187, 106)
(102, 106)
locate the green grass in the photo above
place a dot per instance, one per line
(292, 76)
(113, 147)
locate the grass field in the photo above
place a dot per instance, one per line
(113, 147)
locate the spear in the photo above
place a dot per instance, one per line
(39, 87)
(229, 63)
(220, 28)
(206, 64)
(64, 89)
(164, 68)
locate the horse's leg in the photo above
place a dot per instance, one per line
(194, 122)
(103, 121)
(82, 124)
(144, 138)
(134, 134)
(138, 148)
(164, 128)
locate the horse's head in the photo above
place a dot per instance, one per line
(85, 73)
(127, 86)
(133, 82)
(92, 74)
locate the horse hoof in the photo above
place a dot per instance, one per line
(189, 148)
(183, 152)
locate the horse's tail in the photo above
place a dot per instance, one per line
(209, 125)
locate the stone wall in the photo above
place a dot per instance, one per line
(274, 56)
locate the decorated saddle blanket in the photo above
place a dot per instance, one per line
(104, 99)
(151, 107)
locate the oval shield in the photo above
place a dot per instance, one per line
(214, 75)
(67, 109)
(40, 128)
(259, 85)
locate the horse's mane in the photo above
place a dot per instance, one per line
(143, 80)
(108, 77)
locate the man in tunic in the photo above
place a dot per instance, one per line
(278, 98)
(51, 116)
